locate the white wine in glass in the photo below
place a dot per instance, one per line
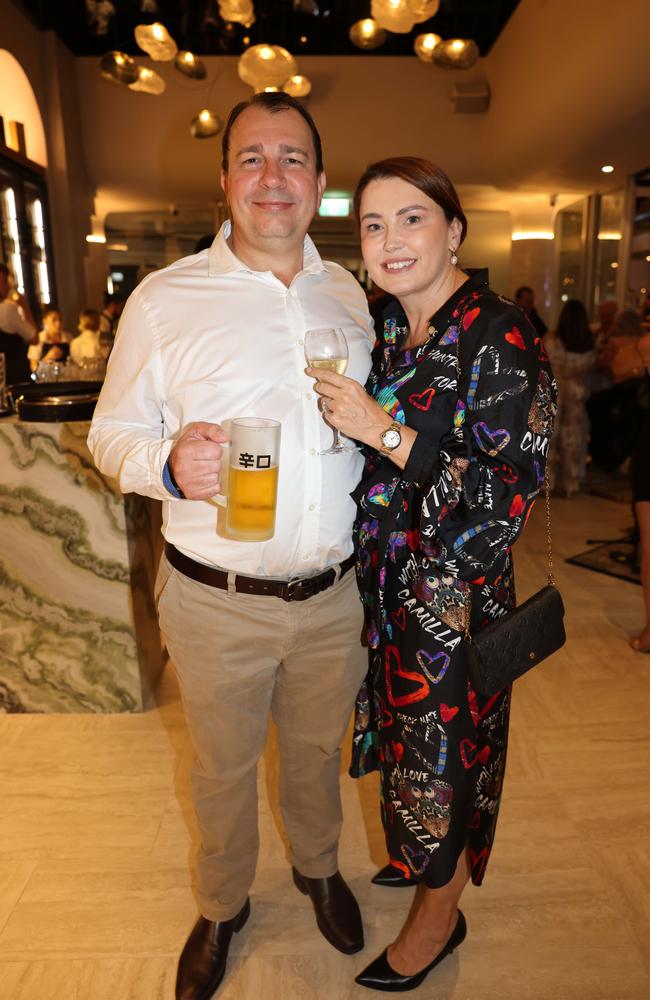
(337, 365)
(327, 349)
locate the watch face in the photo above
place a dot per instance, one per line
(391, 439)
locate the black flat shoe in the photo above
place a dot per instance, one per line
(202, 964)
(390, 877)
(380, 976)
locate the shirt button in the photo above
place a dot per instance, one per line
(302, 343)
(308, 395)
(312, 506)
(312, 451)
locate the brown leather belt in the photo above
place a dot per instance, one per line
(289, 590)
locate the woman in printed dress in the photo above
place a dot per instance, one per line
(453, 466)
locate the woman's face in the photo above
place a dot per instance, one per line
(405, 237)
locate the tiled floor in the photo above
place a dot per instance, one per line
(97, 837)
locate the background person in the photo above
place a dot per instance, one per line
(451, 474)
(17, 330)
(630, 369)
(53, 341)
(86, 348)
(250, 626)
(109, 318)
(571, 350)
(525, 299)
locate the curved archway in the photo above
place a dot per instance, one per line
(18, 103)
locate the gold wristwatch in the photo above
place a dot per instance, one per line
(391, 438)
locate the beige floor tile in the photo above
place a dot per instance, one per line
(14, 876)
(40, 980)
(98, 837)
(122, 908)
(127, 979)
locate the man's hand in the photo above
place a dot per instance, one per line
(195, 460)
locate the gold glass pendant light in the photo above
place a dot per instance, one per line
(190, 65)
(366, 34)
(118, 67)
(155, 40)
(297, 86)
(263, 66)
(424, 46)
(148, 82)
(206, 125)
(456, 53)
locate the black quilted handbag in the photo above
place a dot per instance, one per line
(507, 648)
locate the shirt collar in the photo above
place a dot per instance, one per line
(221, 259)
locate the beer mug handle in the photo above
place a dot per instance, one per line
(222, 498)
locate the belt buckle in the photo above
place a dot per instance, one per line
(291, 587)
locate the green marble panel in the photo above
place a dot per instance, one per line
(78, 629)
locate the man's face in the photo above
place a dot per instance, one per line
(607, 314)
(527, 301)
(272, 186)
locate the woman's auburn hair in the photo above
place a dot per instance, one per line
(422, 174)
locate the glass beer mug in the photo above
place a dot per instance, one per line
(249, 480)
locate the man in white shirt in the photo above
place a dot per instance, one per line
(250, 626)
(17, 331)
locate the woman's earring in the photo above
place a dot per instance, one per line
(454, 258)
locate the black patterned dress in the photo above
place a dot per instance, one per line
(427, 538)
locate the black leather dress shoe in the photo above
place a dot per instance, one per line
(202, 964)
(380, 976)
(337, 911)
(391, 877)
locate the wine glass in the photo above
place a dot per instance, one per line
(328, 349)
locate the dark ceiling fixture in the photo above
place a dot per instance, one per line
(198, 27)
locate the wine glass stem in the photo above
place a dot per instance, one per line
(337, 441)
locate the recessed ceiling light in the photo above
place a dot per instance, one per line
(614, 264)
(607, 169)
(648, 258)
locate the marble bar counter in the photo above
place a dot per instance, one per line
(78, 629)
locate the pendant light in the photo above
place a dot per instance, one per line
(155, 40)
(366, 34)
(206, 125)
(190, 65)
(118, 67)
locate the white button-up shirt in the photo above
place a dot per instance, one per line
(13, 321)
(208, 339)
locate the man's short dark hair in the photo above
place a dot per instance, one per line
(522, 290)
(113, 299)
(272, 102)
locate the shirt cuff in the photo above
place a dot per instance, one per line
(423, 459)
(169, 483)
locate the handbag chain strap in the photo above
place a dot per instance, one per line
(547, 499)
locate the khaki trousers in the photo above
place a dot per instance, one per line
(237, 656)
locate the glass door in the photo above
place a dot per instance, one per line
(24, 234)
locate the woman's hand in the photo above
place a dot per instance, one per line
(349, 408)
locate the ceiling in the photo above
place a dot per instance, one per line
(309, 27)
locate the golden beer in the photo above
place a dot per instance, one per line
(252, 494)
